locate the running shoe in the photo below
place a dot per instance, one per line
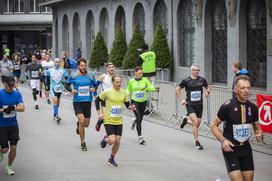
(36, 107)
(77, 129)
(198, 146)
(98, 124)
(9, 171)
(48, 101)
(1, 156)
(111, 162)
(184, 122)
(57, 118)
(103, 143)
(83, 146)
(141, 140)
(133, 123)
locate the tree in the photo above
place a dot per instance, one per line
(99, 52)
(161, 48)
(131, 56)
(119, 48)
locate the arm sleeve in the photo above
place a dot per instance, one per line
(97, 103)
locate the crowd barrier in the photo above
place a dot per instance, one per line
(165, 107)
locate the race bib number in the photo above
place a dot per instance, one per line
(58, 88)
(10, 115)
(35, 74)
(83, 91)
(195, 96)
(115, 111)
(242, 132)
(140, 95)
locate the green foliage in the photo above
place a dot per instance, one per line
(99, 52)
(131, 56)
(119, 48)
(161, 48)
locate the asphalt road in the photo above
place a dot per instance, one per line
(51, 152)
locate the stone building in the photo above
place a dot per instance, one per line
(24, 25)
(211, 33)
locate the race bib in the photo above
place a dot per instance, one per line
(58, 88)
(10, 115)
(115, 111)
(83, 91)
(35, 74)
(139, 95)
(16, 67)
(195, 96)
(242, 132)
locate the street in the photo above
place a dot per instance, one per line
(51, 152)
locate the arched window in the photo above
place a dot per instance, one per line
(139, 17)
(65, 34)
(256, 42)
(160, 15)
(120, 19)
(104, 24)
(186, 33)
(90, 35)
(219, 42)
(76, 34)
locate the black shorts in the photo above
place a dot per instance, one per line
(114, 129)
(240, 159)
(9, 135)
(57, 94)
(83, 108)
(197, 109)
(46, 83)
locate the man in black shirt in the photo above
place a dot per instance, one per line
(35, 72)
(194, 100)
(238, 115)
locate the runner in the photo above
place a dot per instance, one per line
(238, 115)
(17, 69)
(10, 102)
(46, 65)
(114, 97)
(56, 75)
(194, 100)
(6, 68)
(35, 72)
(83, 84)
(106, 84)
(139, 86)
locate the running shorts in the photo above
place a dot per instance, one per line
(197, 109)
(83, 108)
(9, 135)
(35, 84)
(114, 129)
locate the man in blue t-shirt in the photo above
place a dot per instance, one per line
(10, 102)
(84, 85)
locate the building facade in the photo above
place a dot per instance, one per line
(211, 33)
(24, 25)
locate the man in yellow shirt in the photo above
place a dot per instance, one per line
(114, 97)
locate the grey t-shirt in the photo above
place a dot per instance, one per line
(5, 67)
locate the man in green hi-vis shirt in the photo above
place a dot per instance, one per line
(138, 88)
(147, 60)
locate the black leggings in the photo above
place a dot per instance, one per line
(139, 114)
